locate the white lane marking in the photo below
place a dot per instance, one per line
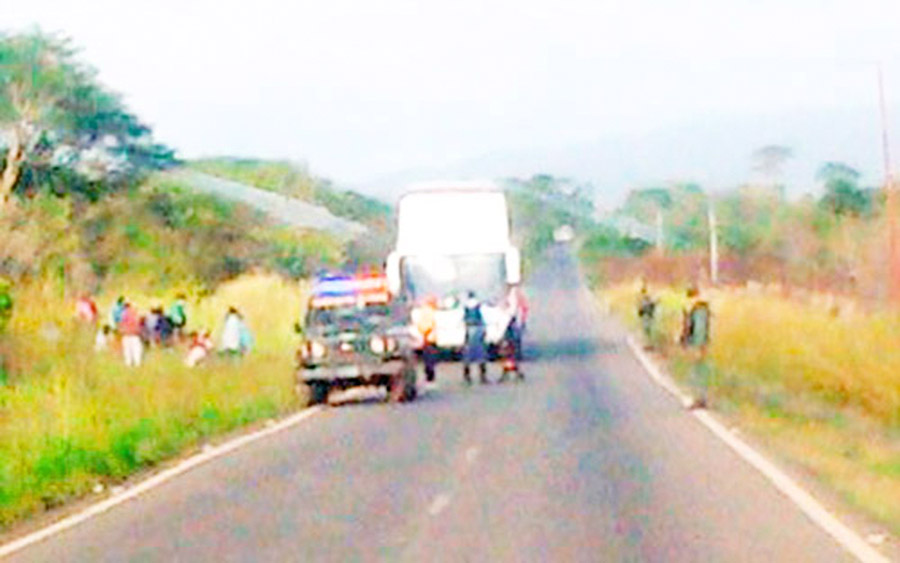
(661, 379)
(841, 533)
(206, 454)
(472, 455)
(439, 503)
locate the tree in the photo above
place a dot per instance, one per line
(843, 196)
(37, 73)
(770, 160)
(59, 120)
(644, 204)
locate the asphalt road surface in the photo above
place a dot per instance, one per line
(585, 461)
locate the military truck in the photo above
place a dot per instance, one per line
(353, 335)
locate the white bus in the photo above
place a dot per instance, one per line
(453, 238)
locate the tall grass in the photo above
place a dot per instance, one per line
(817, 379)
(72, 418)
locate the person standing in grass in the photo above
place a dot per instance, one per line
(695, 335)
(200, 348)
(130, 328)
(236, 337)
(115, 314)
(178, 316)
(86, 310)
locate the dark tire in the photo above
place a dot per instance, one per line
(402, 388)
(410, 392)
(318, 392)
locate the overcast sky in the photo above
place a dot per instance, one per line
(363, 88)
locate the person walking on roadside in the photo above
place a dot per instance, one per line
(695, 335)
(130, 328)
(424, 319)
(646, 310)
(475, 350)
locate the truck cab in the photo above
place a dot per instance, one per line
(355, 334)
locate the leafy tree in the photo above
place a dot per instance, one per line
(645, 203)
(770, 160)
(58, 119)
(37, 73)
(843, 196)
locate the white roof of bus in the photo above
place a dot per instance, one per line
(451, 185)
(450, 218)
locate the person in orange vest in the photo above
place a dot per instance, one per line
(426, 324)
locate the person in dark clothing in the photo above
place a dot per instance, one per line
(510, 353)
(164, 331)
(646, 310)
(178, 316)
(695, 337)
(475, 350)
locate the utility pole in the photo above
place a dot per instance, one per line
(890, 199)
(713, 243)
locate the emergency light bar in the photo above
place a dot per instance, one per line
(335, 291)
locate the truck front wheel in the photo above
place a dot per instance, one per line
(318, 392)
(403, 385)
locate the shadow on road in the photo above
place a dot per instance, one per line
(566, 348)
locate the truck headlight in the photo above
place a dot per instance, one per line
(377, 344)
(316, 350)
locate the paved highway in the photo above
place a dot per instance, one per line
(585, 461)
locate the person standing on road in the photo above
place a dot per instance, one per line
(475, 350)
(518, 309)
(424, 319)
(130, 328)
(695, 337)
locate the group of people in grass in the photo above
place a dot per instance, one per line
(131, 331)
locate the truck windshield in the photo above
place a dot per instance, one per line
(348, 316)
(454, 276)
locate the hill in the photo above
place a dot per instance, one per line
(715, 152)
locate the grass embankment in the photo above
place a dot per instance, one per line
(71, 418)
(295, 181)
(818, 383)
